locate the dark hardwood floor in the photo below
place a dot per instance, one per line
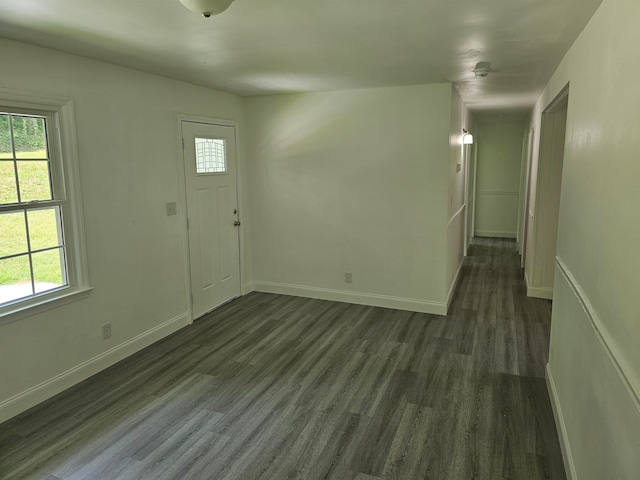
(277, 387)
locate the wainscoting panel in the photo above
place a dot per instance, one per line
(595, 402)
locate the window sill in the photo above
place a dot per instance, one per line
(18, 311)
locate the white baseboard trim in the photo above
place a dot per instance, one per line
(624, 370)
(399, 303)
(248, 288)
(39, 393)
(569, 466)
(494, 234)
(453, 286)
(538, 292)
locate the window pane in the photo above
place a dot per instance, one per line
(13, 234)
(44, 228)
(15, 279)
(8, 188)
(48, 270)
(29, 137)
(5, 137)
(33, 178)
(210, 156)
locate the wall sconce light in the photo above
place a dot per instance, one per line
(467, 138)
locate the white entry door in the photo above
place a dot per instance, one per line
(209, 153)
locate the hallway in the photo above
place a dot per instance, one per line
(276, 387)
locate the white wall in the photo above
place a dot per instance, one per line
(354, 182)
(129, 160)
(343, 181)
(498, 176)
(594, 362)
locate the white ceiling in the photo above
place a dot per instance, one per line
(280, 46)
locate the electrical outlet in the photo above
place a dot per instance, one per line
(348, 278)
(106, 331)
(172, 208)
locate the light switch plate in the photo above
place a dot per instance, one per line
(106, 331)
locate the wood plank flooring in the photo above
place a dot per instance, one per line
(278, 387)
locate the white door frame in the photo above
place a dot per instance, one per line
(538, 225)
(182, 183)
(524, 192)
(468, 189)
(474, 180)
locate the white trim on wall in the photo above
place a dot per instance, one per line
(495, 234)
(385, 301)
(454, 284)
(455, 215)
(537, 292)
(47, 389)
(489, 192)
(569, 464)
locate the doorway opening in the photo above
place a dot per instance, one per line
(544, 200)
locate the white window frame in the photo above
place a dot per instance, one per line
(66, 190)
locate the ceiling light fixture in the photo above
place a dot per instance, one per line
(206, 8)
(482, 69)
(467, 138)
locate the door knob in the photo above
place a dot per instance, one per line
(236, 223)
